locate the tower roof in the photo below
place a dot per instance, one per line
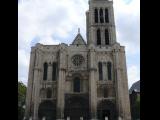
(78, 39)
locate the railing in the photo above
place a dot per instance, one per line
(76, 93)
(50, 99)
(104, 82)
(48, 83)
(108, 98)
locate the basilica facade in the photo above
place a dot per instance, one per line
(86, 80)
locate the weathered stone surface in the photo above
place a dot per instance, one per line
(93, 93)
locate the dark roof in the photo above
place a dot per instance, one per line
(135, 87)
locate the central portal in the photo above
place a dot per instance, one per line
(76, 107)
(106, 113)
(106, 109)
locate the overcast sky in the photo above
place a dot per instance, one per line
(57, 21)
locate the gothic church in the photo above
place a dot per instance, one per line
(86, 80)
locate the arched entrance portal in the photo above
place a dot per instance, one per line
(76, 107)
(106, 109)
(47, 109)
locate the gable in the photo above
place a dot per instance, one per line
(79, 40)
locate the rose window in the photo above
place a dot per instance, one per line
(77, 60)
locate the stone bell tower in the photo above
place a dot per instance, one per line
(103, 46)
(100, 23)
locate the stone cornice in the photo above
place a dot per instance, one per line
(63, 69)
(92, 69)
(37, 68)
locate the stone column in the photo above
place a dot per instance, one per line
(61, 80)
(125, 92)
(37, 71)
(44, 118)
(30, 118)
(122, 84)
(112, 29)
(119, 118)
(106, 118)
(30, 84)
(102, 36)
(104, 15)
(92, 36)
(36, 85)
(92, 85)
(118, 82)
(81, 118)
(68, 118)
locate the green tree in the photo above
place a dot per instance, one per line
(21, 100)
(136, 109)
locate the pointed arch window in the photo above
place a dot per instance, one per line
(76, 85)
(42, 93)
(100, 71)
(106, 16)
(98, 37)
(109, 68)
(96, 15)
(105, 91)
(54, 71)
(106, 37)
(101, 16)
(45, 70)
(49, 93)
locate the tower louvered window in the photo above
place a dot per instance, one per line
(45, 70)
(109, 67)
(101, 16)
(54, 71)
(49, 93)
(106, 37)
(98, 37)
(106, 16)
(96, 15)
(100, 71)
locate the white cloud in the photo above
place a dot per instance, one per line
(49, 18)
(23, 58)
(46, 20)
(133, 74)
(127, 18)
(54, 21)
(47, 40)
(23, 65)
